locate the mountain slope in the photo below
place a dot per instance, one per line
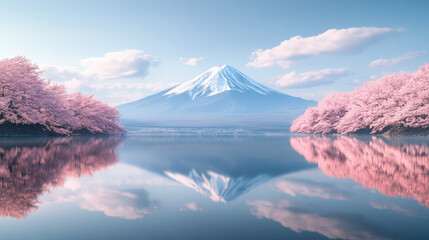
(220, 96)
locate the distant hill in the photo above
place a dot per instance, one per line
(219, 97)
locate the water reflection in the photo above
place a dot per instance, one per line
(221, 168)
(30, 167)
(395, 167)
(175, 183)
(310, 188)
(334, 226)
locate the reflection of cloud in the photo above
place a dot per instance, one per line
(393, 169)
(393, 207)
(298, 220)
(192, 207)
(96, 193)
(124, 174)
(311, 189)
(117, 203)
(217, 187)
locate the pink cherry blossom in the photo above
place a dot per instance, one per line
(26, 99)
(396, 101)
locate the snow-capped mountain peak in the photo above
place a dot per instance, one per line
(216, 80)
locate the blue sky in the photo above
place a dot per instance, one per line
(124, 50)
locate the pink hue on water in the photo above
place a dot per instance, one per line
(26, 172)
(393, 169)
(396, 100)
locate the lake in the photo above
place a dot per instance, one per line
(219, 186)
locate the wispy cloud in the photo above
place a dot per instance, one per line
(312, 78)
(73, 84)
(191, 61)
(311, 189)
(116, 77)
(147, 86)
(113, 65)
(396, 60)
(333, 40)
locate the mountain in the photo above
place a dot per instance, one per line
(221, 96)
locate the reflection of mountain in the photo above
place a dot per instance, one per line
(30, 167)
(221, 168)
(217, 187)
(395, 169)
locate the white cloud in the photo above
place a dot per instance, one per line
(128, 63)
(333, 40)
(309, 79)
(73, 84)
(374, 76)
(157, 86)
(192, 207)
(396, 60)
(191, 61)
(311, 189)
(60, 73)
(113, 65)
(116, 77)
(298, 220)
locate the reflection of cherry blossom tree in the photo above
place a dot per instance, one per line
(29, 103)
(28, 170)
(394, 103)
(394, 169)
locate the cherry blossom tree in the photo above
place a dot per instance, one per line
(26, 99)
(397, 102)
(93, 115)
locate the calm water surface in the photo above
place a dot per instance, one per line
(214, 187)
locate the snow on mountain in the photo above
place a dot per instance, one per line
(221, 96)
(216, 80)
(217, 187)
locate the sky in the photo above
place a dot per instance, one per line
(121, 51)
